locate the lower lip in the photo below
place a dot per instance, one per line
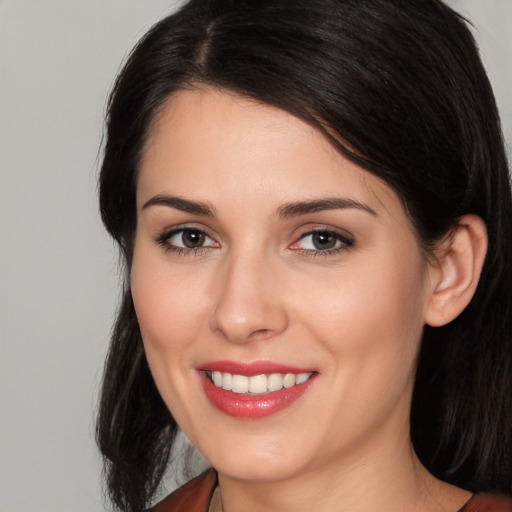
(252, 406)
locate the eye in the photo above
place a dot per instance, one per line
(186, 240)
(322, 240)
(189, 238)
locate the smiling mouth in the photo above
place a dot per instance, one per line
(256, 384)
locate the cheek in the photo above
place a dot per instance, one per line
(371, 323)
(389, 299)
(166, 303)
(170, 317)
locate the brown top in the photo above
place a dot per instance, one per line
(487, 503)
(195, 496)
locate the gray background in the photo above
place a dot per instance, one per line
(58, 276)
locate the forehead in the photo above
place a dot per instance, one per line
(213, 145)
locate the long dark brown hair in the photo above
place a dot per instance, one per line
(399, 88)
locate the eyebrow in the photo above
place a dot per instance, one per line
(317, 205)
(184, 205)
(288, 210)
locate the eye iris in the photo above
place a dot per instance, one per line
(324, 240)
(192, 239)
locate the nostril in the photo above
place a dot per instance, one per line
(261, 334)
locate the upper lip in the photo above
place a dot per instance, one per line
(251, 368)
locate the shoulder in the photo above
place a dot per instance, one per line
(488, 503)
(194, 496)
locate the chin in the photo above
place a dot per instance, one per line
(265, 469)
(259, 458)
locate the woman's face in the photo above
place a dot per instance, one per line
(260, 250)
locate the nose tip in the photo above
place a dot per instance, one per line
(249, 306)
(242, 332)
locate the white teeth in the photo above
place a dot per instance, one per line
(217, 379)
(289, 380)
(240, 384)
(227, 381)
(301, 378)
(257, 384)
(275, 382)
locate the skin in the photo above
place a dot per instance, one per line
(260, 290)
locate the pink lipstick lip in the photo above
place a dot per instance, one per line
(248, 406)
(252, 368)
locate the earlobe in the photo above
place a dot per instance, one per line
(455, 276)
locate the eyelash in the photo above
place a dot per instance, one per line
(164, 241)
(343, 242)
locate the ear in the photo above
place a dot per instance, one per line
(454, 276)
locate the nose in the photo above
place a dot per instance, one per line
(249, 302)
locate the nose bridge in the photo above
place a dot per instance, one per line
(248, 303)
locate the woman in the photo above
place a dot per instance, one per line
(313, 206)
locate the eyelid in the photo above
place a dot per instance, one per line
(162, 238)
(347, 239)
